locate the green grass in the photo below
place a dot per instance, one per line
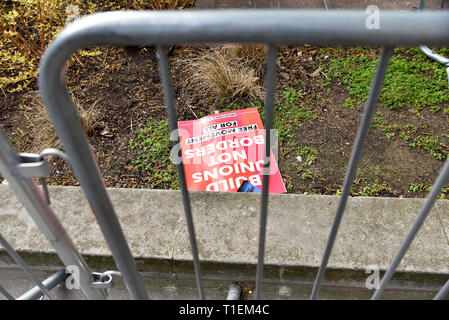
(370, 190)
(432, 144)
(409, 133)
(415, 187)
(308, 156)
(378, 120)
(374, 189)
(418, 187)
(289, 112)
(153, 144)
(412, 79)
(291, 95)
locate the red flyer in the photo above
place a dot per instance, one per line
(223, 150)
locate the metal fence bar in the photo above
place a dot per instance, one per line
(443, 292)
(173, 124)
(5, 293)
(332, 27)
(24, 267)
(32, 199)
(421, 4)
(442, 179)
(370, 105)
(268, 114)
(234, 292)
(49, 283)
(68, 127)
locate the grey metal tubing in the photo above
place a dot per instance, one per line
(234, 292)
(173, 124)
(54, 152)
(421, 4)
(370, 105)
(259, 25)
(268, 114)
(18, 259)
(68, 127)
(5, 293)
(447, 71)
(443, 292)
(36, 293)
(32, 199)
(439, 58)
(442, 179)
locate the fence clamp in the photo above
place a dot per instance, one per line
(101, 280)
(32, 165)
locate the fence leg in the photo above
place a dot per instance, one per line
(34, 202)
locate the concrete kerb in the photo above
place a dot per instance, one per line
(227, 228)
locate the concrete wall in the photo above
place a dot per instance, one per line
(227, 230)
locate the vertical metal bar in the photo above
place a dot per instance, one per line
(370, 105)
(5, 293)
(234, 292)
(268, 108)
(63, 113)
(422, 4)
(32, 199)
(443, 292)
(436, 189)
(24, 266)
(173, 124)
(49, 283)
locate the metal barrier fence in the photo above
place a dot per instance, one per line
(161, 29)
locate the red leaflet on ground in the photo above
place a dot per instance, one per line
(222, 150)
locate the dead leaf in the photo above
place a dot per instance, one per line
(106, 132)
(284, 75)
(316, 73)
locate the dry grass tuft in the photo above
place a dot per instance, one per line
(254, 56)
(227, 72)
(39, 126)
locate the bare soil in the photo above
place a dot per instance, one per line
(124, 83)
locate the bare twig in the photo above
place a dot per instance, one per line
(192, 110)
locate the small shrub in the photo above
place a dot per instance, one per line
(28, 26)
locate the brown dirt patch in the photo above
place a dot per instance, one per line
(124, 84)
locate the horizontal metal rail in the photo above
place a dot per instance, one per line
(271, 27)
(25, 267)
(36, 292)
(261, 26)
